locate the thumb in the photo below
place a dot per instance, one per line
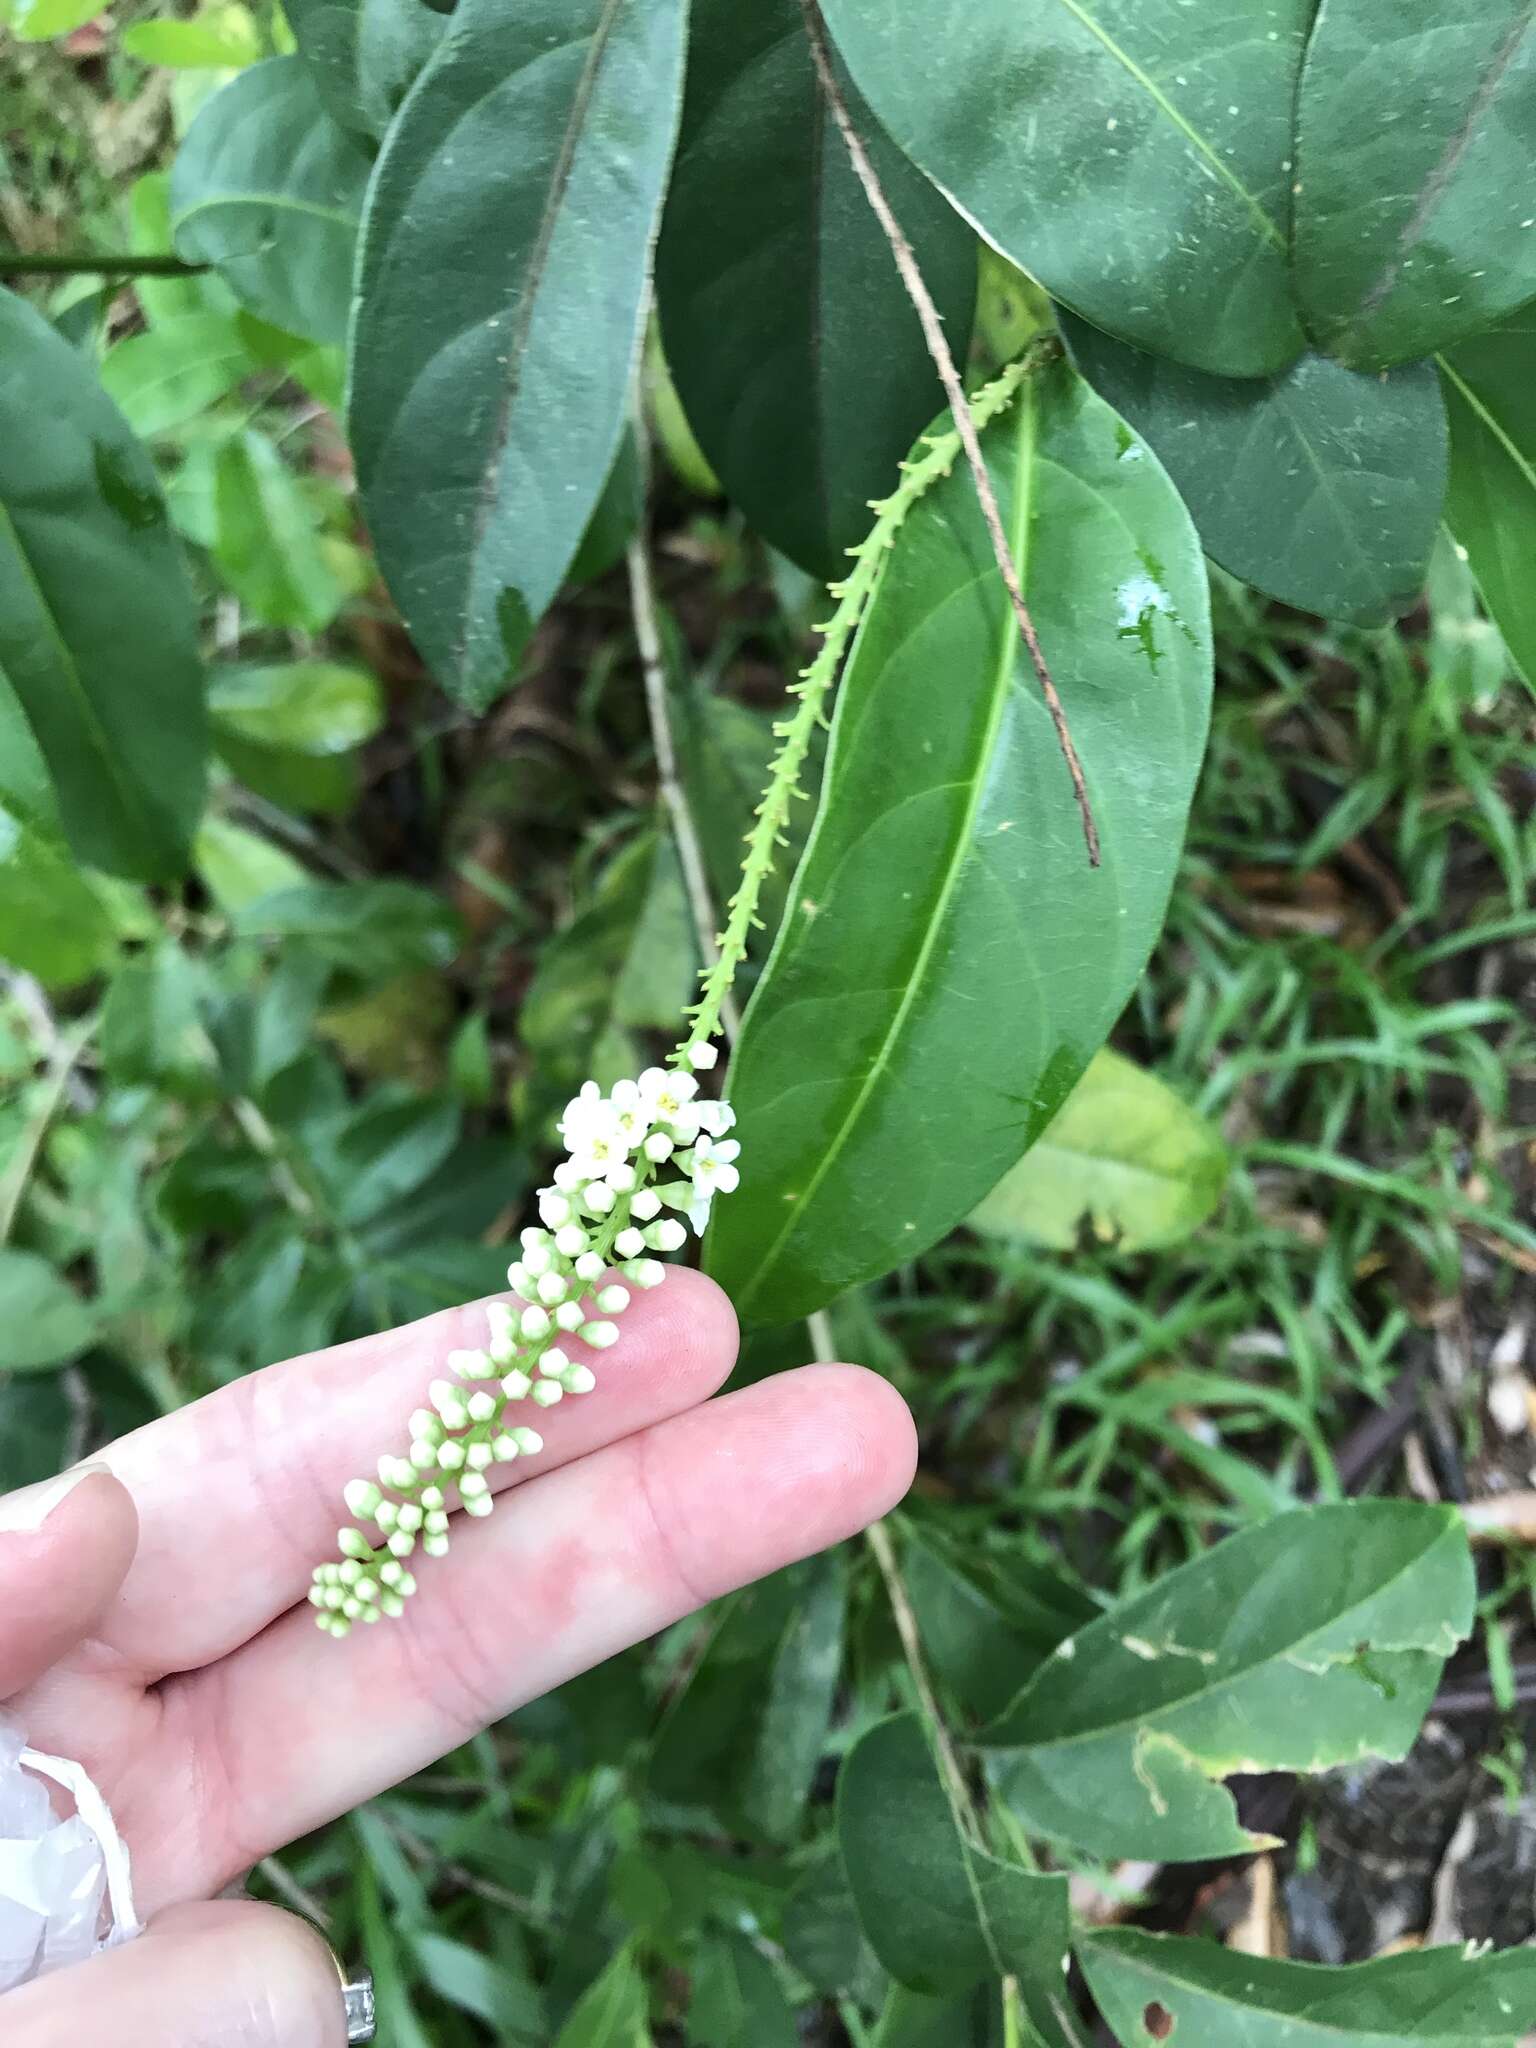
(65, 1549)
(229, 1973)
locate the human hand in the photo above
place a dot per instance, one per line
(153, 1622)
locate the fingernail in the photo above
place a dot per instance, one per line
(23, 1513)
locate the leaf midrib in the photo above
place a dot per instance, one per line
(1481, 412)
(1325, 2030)
(90, 718)
(524, 303)
(1227, 1680)
(963, 844)
(1191, 134)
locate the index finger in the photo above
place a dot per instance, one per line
(239, 1495)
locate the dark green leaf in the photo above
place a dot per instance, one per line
(614, 519)
(373, 1153)
(738, 2001)
(797, 355)
(267, 539)
(170, 373)
(1156, 1987)
(42, 1319)
(1319, 486)
(940, 1913)
(820, 1928)
(36, 1418)
(1315, 1639)
(950, 963)
(98, 635)
(498, 319)
(797, 1707)
(372, 928)
(987, 1622)
(1490, 506)
(908, 2020)
(1133, 155)
(1415, 131)
(268, 188)
(53, 922)
(1124, 1155)
(365, 54)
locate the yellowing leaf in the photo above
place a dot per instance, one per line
(1124, 1155)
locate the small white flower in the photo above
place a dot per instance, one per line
(590, 1265)
(571, 1242)
(631, 1113)
(629, 1244)
(645, 1204)
(715, 1117)
(701, 1055)
(547, 1393)
(515, 1386)
(569, 1316)
(666, 1093)
(713, 1166)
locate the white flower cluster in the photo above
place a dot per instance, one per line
(607, 1208)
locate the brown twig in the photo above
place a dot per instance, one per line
(944, 362)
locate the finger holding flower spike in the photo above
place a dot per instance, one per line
(605, 1208)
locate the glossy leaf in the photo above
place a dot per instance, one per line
(365, 54)
(940, 1913)
(1124, 1156)
(167, 375)
(1415, 130)
(1154, 1987)
(1311, 1640)
(797, 355)
(1490, 505)
(53, 923)
(268, 188)
(1133, 155)
(499, 318)
(950, 963)
(1319, 486)
(43, 1321)
(98, 635)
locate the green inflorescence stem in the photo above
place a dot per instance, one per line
(812, 685)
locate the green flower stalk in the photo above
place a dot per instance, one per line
(642, 1164)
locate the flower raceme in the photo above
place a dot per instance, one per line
(638, 1161)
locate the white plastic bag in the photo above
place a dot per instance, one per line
(55, 1875)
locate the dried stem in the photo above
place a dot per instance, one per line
(642, 603)
(878, 1537)
(954, 391)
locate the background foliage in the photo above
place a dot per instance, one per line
(309, 930)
